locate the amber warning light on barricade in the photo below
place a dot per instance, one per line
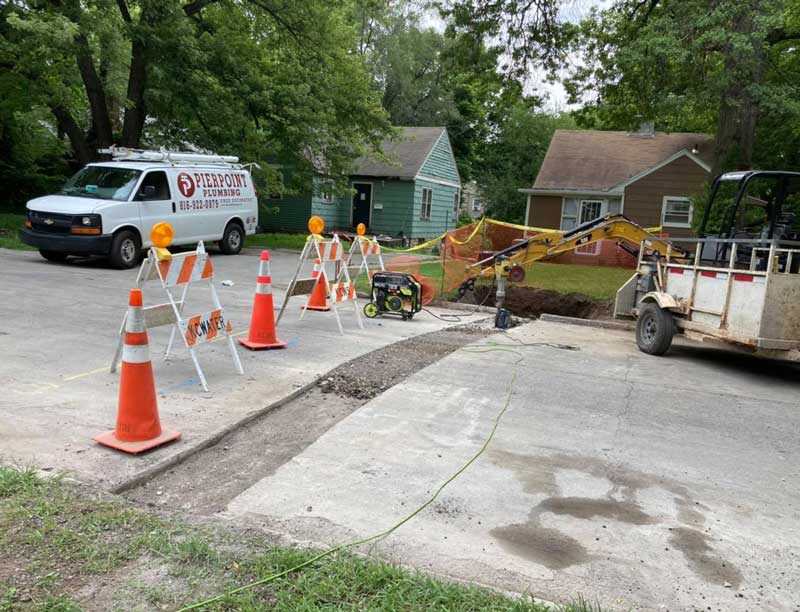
(316, 225)
(361, 229)
(161, 235)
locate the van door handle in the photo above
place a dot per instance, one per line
(173, 207)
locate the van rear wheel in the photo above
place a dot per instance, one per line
(654, 329)
(232, 239)
(56, 256)
(125, 250)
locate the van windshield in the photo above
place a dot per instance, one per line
(102, 182)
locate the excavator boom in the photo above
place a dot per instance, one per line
(546, 245)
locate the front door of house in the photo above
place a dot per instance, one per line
(362, 203)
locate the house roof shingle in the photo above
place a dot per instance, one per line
(407, 154)
(597, 161)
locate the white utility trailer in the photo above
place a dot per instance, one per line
(755, 304)
(739, 282)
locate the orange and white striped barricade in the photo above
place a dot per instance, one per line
(184, 270)
(331, 259)
(364, 248)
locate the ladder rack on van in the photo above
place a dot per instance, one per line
(125, 154)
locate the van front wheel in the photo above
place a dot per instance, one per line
(125, 249)
(232, 240)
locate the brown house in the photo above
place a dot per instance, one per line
(647, 176)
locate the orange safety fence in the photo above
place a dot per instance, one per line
(441, 265)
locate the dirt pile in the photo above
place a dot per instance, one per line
(531, 302)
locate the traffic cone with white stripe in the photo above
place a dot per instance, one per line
(262, 322)
(138, 426)
(319, 297)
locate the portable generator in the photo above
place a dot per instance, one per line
(394, 293)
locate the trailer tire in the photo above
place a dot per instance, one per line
(654, 329)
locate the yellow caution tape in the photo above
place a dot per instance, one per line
(524, 228)
(471, 236)
(448, 235)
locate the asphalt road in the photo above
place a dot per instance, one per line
(645, 483)
(60, 325)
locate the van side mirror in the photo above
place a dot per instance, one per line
(148, 191)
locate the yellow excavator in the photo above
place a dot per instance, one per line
(509, 264)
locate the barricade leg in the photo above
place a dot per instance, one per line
(197, 367)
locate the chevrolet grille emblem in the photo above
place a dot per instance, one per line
(48, 222)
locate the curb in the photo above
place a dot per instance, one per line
(619, 325)
(255, 250)
(460, 306)
(159, 468)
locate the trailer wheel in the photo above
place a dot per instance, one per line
(654, 329)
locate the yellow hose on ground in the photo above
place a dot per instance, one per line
(382, 534)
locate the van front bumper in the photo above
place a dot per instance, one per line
(60, 243)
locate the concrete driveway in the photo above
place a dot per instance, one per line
(59, 331)
(645, 483)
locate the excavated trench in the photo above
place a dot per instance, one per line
(530, 302)
(207, 481)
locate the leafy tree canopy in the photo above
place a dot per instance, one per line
(267, 80)
(727, 67)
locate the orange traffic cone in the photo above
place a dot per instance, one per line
(262, 322)
(138, 426)
(319, 297)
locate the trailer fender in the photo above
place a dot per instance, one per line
(664, 300)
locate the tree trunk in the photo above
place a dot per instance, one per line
(101, 121)
(739, 106)
(67, 125)
(135, 111)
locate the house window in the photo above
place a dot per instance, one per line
(476, 205)
(591, 210)
(427, 200)
(327, 192)
(588, 249)
(676, 212)
(577, 212)
(456, 202)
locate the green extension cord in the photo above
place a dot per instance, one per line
(377, 536)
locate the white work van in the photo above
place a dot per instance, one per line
(109, 208)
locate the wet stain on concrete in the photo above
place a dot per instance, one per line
(549, 547)
(689, 513)
(702, 559)
(537, 474)
(590, 507)
(534, 475)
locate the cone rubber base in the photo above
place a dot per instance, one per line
(320, 308)
(260, 346)
(109, 439)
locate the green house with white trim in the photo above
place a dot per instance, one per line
(414, 195)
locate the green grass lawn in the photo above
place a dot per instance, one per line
(596, 282)
(66, 539)
(269, 240)
(9, 224)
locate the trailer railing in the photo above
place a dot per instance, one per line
(765, 256)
